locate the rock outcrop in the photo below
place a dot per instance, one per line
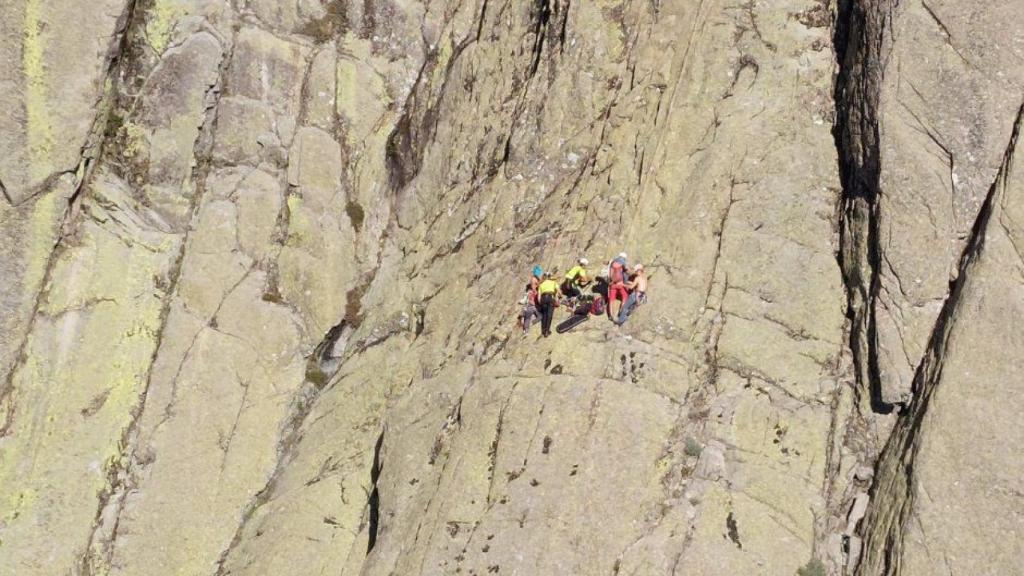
(264, 258)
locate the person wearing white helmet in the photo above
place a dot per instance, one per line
(576, 279)
(617, 293)
(637, 287)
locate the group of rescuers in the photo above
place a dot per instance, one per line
(622, 287)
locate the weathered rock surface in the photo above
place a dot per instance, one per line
(262, 287)
(55, 56)
(945, 84)
(949, 489)
(931, 99)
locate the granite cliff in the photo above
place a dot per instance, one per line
(262, 259)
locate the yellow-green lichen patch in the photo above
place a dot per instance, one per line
(361, 98)
(39, 136)
(136, 139)
(444, 56)
(97, 565)
(86, 365)
(163, 17)
(16, 502)
(44, 222)
(298, 225)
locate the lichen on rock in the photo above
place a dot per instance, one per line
(264, 261)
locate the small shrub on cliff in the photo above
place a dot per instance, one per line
(693, 448)
(812, 568)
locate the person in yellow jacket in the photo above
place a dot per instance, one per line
(576, 279)
(547, 295)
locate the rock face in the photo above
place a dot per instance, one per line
(263, 260)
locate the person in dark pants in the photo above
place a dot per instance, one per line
(547, 294)
(637, 287)
(576, 279)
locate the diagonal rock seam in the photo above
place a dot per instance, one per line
(84, 175)
(98, 552)
(92, 148)
(859, 45)
(893, 496)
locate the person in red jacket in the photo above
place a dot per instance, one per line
(617, 293)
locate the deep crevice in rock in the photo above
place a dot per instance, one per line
(480, 22)
(857, 93)
(894, 492)
(542, 11)
(373, 501)
(565, 26)
(324, 362)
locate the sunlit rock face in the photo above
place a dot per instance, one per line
(264, 258)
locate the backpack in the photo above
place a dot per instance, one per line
(617, 272)
(597, 307)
